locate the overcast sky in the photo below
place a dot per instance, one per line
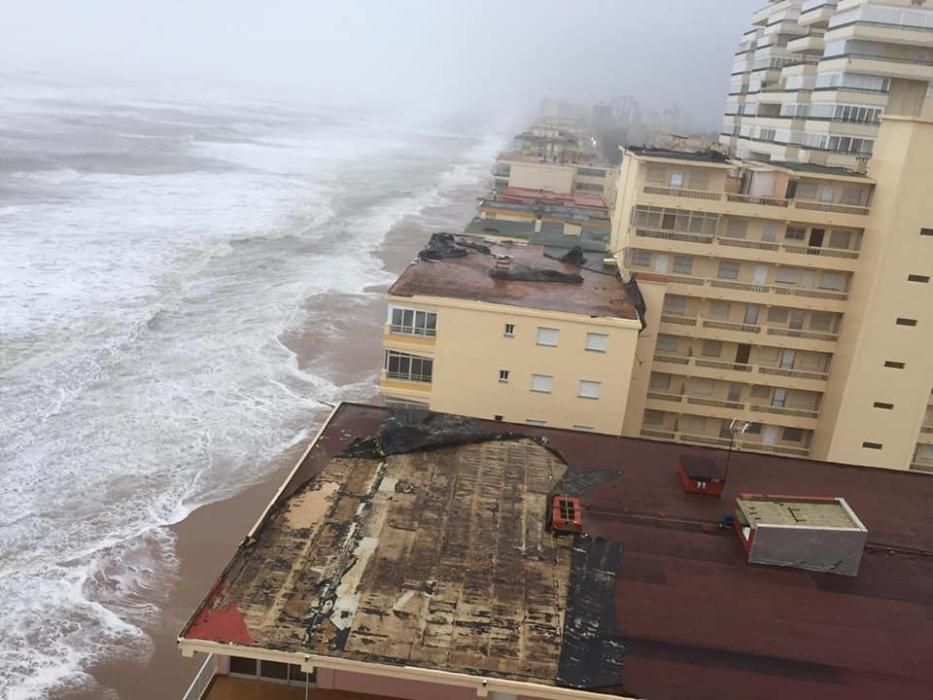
(444, 53)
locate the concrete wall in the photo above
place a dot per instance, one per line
(543, 176)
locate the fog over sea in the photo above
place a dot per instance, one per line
(153, 255)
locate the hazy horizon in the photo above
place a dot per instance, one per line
(441, 57)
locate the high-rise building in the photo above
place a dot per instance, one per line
(798, 310)
(811, 78)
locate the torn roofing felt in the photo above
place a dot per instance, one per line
(445, 245)
(521, 273)
(592, 652)
(410, 430)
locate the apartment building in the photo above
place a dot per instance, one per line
(503, 331)
(811, 78)
(418, 556)
(536, 172)
(797, 308)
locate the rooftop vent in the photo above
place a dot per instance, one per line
(566, 514)
(804, 532)
(503, 263)
(701, 475)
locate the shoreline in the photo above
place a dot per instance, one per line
(207, 538)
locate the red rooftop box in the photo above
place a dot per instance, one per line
(701, 475)
(566, 514)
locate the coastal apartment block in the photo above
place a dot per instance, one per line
(797, 310)
(533, 172)
(811, 78)
(503, 331)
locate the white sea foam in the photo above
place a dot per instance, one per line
(142, 369)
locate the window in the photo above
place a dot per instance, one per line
(503, 375)
(413, 322)
(912, 278)
(728, 270)
(753, 429)
(777, 315)
(822, 322)
(591, 172)
(273, 669)
(497, 417)
(795, 233)
(654, 417)
(833, 280)
(542, 383)
(770, 232)
(589, 389)
(667, 343)
(659, 380)
(509, 330)
(792, 435)
(926, 232)
(677, 179)
(641, 258)
(737, 228)
(786, 275)
(712, 348)
(779, 398)
(683, 264)
(719, 310)
(882, 404)
(408, 367)
(580, 427)
(895, 365)
(760, 391)
(246, 667)
(701, 386)
(872, 445)
(535, 421)
(906, 321)
(296, 676)
(675, 305)
(548, 336)
(597, 342)
(840, 239)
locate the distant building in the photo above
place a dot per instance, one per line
(811, 78)
(511, 333)
(561, 177)
(797, 297)
(429, 556)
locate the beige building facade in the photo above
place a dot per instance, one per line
(795, 312)
(542, 353)
(534, 173)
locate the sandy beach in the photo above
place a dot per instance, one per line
(207, 538)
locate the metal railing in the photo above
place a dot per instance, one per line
(412, 330)
(742, 445)
(729, 326)
(742, 367)
(408, 376)
(718, 283)
(732, 405)
(797, 333)
(785, 411)
(202, 680)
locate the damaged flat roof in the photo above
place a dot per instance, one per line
(438, 558)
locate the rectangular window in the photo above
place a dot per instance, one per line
(548, 336)
(497, 417)
(840, 239)
(894, 365)
(736, 228)
(926, 232)
(712, 348)
(833, 280)
(641, 258)
(779, 398)
(882, 404)
(659, 380)
(542, 383)
(795, 233)
(589, 389)
(509, 330)
(597, 342)
(503, 375)
(675, 305)
(753, 429)
(777, 315)
(786, 275)
(701, 386)
(586, 428)
(409, 368)
(719, 310)
(683, 264)
(667, 343)
(242, 666)
(654, 417)
(906, 321)
(872, 445)
(677, 179)
(413, 322)
(792, 435)
(535, 421)
(728, 270)
(760, 391)
(273, 669)
(917, 278)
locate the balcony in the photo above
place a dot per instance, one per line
(743, 205)
(398, 338)
(922, 465)
(804, 44)
(781, 337)
(738, 444)
(708, 245)
(738, 410)
(721, 370)
(750, 292)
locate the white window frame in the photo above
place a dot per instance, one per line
(504, 376)
(542, 383)
(425, 326)
(509, 331)
(596, 342)
(589, 389)
(544, 337)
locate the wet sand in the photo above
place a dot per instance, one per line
(207, 539)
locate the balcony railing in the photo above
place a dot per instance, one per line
(202, 680)
(718, 283)
(757, 200)
(748, 328)
(785, 411)
(796, 333)
(742, 445)
(409, 377)
(413, 330)
(741, 367)
(732, 405)
(707, 239)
